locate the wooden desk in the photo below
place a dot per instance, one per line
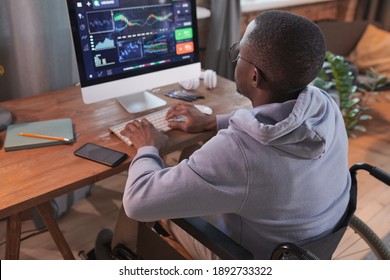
(33, 177)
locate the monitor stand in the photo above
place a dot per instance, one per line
(5, 118)
(141, 101)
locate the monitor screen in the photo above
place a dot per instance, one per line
(127, 46)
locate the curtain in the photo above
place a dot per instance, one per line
(224, 31)
(35, 47)
(375, 10)
(36, 50)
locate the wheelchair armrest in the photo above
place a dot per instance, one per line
(214, 239)
(374, 171)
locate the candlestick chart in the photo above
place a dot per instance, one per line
(130, 50)
(142, 20)
(99, 22)
(156, 45)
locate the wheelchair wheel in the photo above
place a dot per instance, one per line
(372, 246)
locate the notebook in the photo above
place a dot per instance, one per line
(59, 128)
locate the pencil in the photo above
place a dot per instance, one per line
(44, 136)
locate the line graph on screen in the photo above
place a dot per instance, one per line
(142, 20)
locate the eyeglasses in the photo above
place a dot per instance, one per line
(234, 55)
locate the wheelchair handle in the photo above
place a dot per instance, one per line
(373, 170)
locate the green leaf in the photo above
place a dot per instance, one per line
(364, 107)
(318, 82)
(382, 79)
(362, 90)
(328, 71)
(353, 113)
(380, 85)
(360, 128)
(352, 102)
(352, 124)
(352, 135)
(365, 117)
(336, 75)
(371, 74)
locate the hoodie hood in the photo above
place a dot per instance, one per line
(296, 127)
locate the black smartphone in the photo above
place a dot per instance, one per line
(183, 95)
(100, 154)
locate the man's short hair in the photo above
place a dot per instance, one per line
(288, 48)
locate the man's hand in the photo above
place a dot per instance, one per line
(195, 121)
(143, 133)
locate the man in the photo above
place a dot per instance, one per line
(277, 172)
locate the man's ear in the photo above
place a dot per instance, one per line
(257, 78)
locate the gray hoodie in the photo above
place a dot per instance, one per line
(277, 172)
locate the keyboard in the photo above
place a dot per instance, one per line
(156, 118)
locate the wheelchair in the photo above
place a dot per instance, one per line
(152, 244)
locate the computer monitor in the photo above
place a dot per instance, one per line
(125, 47)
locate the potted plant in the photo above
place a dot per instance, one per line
(338, 77)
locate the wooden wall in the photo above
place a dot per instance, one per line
(332, 10)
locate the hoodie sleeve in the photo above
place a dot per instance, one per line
(189, 189)
(223, 121)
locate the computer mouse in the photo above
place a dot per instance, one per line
(204, 109)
